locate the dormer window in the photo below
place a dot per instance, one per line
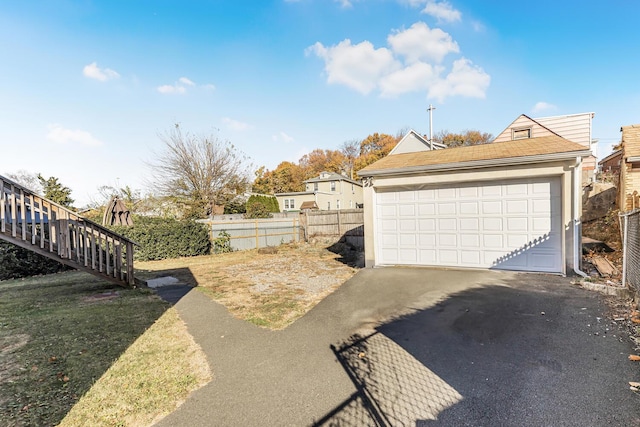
(522, 133)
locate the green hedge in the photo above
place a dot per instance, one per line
(270, 202)
(16, 262)
(162, 238)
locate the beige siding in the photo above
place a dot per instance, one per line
(523, 122)
(345, 196)
(630, 183)
(575, 127)
(297, 200)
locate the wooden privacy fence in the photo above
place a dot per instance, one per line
(347, 224)
(247, 234)
(44, 227)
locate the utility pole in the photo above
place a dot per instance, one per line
(430, 110)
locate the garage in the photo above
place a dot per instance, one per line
(512, 205)
(511, 224)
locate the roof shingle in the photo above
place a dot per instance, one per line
(631, 140)
(498, 150)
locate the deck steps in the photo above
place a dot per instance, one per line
(56, 232)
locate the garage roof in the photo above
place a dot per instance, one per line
(522, 151)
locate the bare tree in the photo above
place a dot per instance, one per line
(199, 172)
(26, 179)
(350, 150)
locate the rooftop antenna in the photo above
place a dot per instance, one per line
(430, 110)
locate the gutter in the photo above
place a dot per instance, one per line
(475, 164)
(577, 235)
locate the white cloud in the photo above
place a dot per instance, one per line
(414, 61)
(59, 134)
(345, 4)
(543, 106)
(281, 136)
(442, 11)
(478, 27)
(422, 43)
(358, 66)
(175, 89)
(465, 79)
(418, 76)
(92, 71)
(180, 87)
(235, 124)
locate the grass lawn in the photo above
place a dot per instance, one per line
(76, 350)
(60, 333)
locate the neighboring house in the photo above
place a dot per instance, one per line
(329, 191)
(611, 163)
(626, 162)
(412, 142)
(512, 205)
(572, 127)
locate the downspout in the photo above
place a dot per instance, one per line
(577, 201)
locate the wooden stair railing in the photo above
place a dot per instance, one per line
(42, 226)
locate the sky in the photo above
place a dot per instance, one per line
(88, 88)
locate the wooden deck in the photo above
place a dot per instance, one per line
(42, 226)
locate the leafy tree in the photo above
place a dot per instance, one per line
(321, 160)
(199, 172)
(287, 177)
(466, 138)
(53, 190)
(373, 148)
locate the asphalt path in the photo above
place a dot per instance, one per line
(420, 347)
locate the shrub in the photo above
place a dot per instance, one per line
(162, 238)
(257, 210)
(222, 244)
(261, 207)
(16, 262)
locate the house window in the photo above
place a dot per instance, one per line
(328, 206)
(521, 133)
(315, 186)
(338, 204)
(353, 190)
(333, 186)
(289, 204)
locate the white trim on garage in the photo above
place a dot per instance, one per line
(511, 224)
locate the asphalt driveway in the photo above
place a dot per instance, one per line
(411, 346)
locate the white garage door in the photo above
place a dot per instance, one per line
(510, 224)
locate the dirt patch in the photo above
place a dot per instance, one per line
(102, 297)
(9, 345)
(270, 289)
(605, 229)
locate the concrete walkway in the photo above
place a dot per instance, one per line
(404, 346)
